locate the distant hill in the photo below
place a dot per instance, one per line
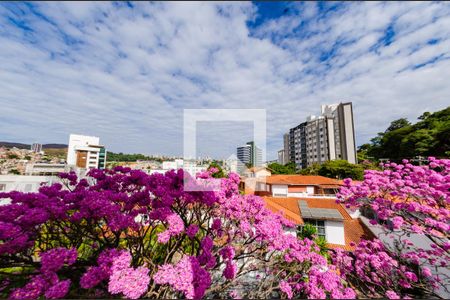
(54, 146)
(27, 146)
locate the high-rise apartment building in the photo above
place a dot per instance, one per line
(326, 137)
(248, 155)
(86, 152)
(281, 158)
(286, 149)
(37, 148)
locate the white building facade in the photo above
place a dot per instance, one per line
(86, 152)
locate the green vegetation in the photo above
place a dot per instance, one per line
(276, 168)
(339, 169)
(309, 231)
(111, 156)
(14, 171)
(13, 156)
(220, 173)
(60, 153)
(430, 136)
(306, 231)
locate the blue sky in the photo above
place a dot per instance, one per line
(125, 71)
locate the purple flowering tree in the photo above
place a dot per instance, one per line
(409, 205)
(124, 233)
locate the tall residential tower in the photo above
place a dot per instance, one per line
(326, 137)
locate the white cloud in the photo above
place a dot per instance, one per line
(125, 74)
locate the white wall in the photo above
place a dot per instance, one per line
(300, 194)
(79, 140)
(23, 183)
(354, 213)
(334, 232)
(279, 190)
(331, 139)
(310, 190)
(168, 165)
(349, 137)
(291, 230)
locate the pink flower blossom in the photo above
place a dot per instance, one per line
(286, 288)
(392, 295)
(133, 283)
(192, 230)
(186, 276)
(230, 270)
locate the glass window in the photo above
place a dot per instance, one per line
(319, 224)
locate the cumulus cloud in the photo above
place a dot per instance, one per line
(125, 71)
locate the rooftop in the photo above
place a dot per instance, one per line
(303, 180)
(327, 209)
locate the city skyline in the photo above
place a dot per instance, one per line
(125, 72)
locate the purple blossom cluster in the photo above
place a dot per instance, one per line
(133, 283)
(405, 199)
(47, 282)
(96, 274)
(176, 226)
(414, 198)
(187, 276)
(191, 243)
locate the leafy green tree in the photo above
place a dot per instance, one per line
(13, 156)
(341, 169)
(312, 170)
(430, 136)
(397, 124)
(277, 168)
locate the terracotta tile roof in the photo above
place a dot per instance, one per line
(301, 180)
(291, 204)
(330, 186)
(354, 229)
(292, 213)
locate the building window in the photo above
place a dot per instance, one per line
(279, 195)
(319, 225)
(2, 187)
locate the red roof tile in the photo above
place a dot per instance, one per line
(354, 229)
(301, 180)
